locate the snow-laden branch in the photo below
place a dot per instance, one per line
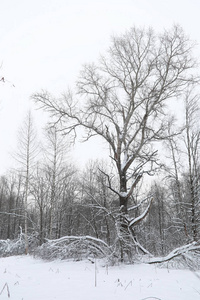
(138, 205)
(73, 237)
(142, 216)
(75, 246)
(176, 252)
(137, 244)
(104, 209)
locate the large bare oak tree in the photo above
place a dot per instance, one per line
(123, 99)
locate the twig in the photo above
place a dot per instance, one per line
(5, 285)
(130, 283)
(95, 273)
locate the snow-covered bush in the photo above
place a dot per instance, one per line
(17, 246)
(12, 247)
(76, 247)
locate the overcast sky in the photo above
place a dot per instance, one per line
(43, 44)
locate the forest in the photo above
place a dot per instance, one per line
(141, 98)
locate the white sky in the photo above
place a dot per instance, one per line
(43, 44)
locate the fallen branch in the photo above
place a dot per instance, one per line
(176, 252)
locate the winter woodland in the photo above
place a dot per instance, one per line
(142, 203)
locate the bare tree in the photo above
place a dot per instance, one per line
(174, 182)
(57, 171)
(54, 153)
(39, 190)
(183, 173)
(25, 155)
(123, 100)
(192, 143)
(98, 206)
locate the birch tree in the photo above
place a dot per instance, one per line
(123, 99)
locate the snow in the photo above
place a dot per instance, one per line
(27, 278)
(123, 194)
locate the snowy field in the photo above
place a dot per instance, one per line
(26, 278)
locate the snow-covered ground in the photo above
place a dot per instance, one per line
(26, 278)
